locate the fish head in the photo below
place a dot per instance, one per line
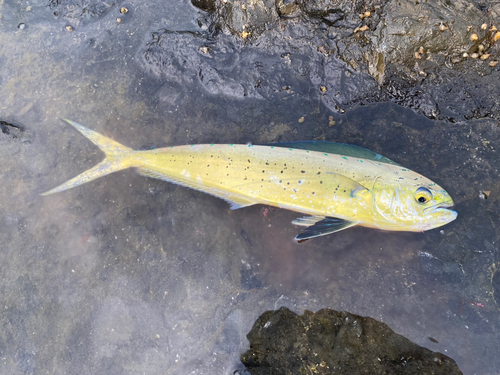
(411, 206)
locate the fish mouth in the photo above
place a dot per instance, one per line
(440, 207)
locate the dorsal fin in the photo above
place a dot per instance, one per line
(335, 148)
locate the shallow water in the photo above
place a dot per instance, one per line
(133, 275)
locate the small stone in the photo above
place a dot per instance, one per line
(123, 10)
(302, 119)
(69, 28)
(474, 55)
(367, 14)
(363, 28)
(484, 194)
(496, 36)
(442, 27)
(21, 26)
(493, 28)
(474, 37)
(493, 63)
(323, 88)
(485, 56)
(484, 26)
(119, 20)
(421, 50)
(361, 15)
(417, 55)
(465, 55)
(245, 34)
(480, 48)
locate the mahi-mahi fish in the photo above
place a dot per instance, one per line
(337, 185)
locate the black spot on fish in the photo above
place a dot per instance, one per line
(318, 173)
(321, 182)
(302, 171)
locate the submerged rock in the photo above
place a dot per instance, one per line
(333, 342)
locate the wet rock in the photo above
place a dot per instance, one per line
(12, 131)
(222, 66)
(425, 67)
(249, 17)
(81, 11)
(205, 5)
(332, 11)
(415, 54)
(288, 9)
(329, 341)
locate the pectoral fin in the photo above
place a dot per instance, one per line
(320, 226)
(346, 184)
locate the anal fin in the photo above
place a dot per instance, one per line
(234, 201)
(238, 202)
(320, 226)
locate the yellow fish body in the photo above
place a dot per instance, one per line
(338, 185)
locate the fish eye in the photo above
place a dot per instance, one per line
(423, 195)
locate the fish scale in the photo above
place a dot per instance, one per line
(339, 189)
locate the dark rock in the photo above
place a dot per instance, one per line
(11, 130)
(333, 342)
(205, 5)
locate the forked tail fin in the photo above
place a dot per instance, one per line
(117, 158)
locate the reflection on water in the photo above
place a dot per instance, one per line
(131, 275)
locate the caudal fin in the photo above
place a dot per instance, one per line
(117, 158)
